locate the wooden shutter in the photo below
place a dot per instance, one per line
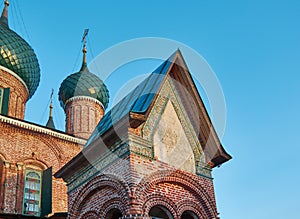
(46, 205)
(5, 101)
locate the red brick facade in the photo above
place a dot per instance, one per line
(82, 116)
(29, 153)
(29, 146)
(135, 192)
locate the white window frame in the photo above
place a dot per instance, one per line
(35, 198)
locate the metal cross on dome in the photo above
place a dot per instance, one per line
(86, 31)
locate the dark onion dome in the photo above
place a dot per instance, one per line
(83, 83)
(17, 55)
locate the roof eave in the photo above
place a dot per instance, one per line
(221, 157)
(90, 153)
(71, 166)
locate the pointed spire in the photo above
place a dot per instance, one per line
(4, 16)
(50, 123)
(84, 50)
(84, 63)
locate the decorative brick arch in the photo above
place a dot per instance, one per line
(34, 162)
(185, 180)
(90, 215)
(58, 152)
(96, 184)
(154, 200)
(188, 205)
(115, 203)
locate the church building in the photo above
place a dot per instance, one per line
(150, 156)
(30, 153)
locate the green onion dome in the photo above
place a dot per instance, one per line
(83, 83)
(17, 55)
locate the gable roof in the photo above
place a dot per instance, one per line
(137, 101)
(137, 104)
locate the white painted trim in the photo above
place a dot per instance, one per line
(35, 128)
(15, 75)
(84, 98)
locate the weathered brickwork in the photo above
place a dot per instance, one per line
(24, 147)
(18, 93)
(82, 116)
(140, 185)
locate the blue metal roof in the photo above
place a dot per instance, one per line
(137, 101)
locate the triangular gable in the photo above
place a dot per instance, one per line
(171, 143)
(194, 106)
(171, 133)
(137, 105)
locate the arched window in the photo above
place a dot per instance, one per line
(160, 212)
(32, 193)
(189, 215)
(37, 191)
(114, 214)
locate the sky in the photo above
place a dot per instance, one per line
(253, 48)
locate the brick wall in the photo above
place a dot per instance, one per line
(82, 116)
(135, 184)
(18, 93)
(21, 148)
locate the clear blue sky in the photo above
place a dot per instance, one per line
(252, 46)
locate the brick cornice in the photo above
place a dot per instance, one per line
(83, 98)
(39, 129)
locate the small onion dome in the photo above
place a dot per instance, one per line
(83, 83)
(17, 55)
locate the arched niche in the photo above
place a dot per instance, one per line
(188, 215)
(160, 212)
(114, 214)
